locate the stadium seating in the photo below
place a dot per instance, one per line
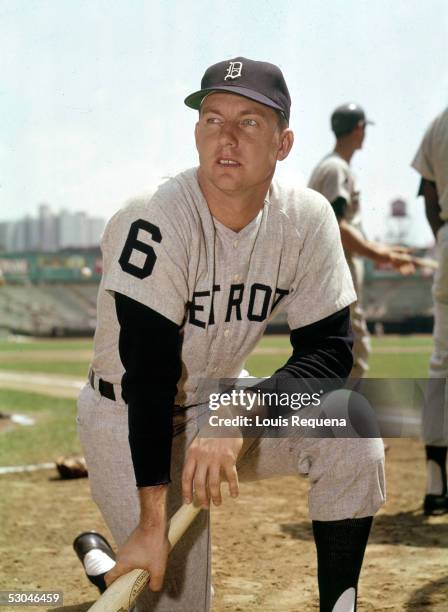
(48, 310)
(55, 309)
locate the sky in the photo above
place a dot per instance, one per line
(91, 92)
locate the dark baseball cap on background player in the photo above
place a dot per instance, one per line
(346, 117)
(259, 81)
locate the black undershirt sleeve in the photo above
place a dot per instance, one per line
(339, 207)
(320, 350)
(149, 346)
(421, 187)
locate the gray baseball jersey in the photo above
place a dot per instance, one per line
(223, 287)
(431, 159)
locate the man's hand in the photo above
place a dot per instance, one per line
(208, 462)
(144, 549)
(401, 260)
(397, 256)
(354, 243)
(147, 547)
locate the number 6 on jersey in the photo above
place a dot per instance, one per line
(134, 244)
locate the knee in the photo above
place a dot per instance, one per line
(440, 286)
(357, 456)
(369, 451)
(351, 484)
(440, 293)
(356, 412)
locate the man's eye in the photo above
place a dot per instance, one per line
(212, 120)
(250, 122)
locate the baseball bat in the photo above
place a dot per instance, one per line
(122, 593)
(425, 262)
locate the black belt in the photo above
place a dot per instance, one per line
(106, 389)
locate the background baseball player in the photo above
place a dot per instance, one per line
(431, 161)
(191, 278)
(334, 178)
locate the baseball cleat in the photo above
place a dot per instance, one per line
(96, 556)
(435, 504)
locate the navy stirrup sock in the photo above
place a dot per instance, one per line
(340, 551)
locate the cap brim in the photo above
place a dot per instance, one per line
(194, 100)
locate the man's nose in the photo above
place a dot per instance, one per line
(228, 134)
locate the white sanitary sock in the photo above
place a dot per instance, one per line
(97, 562)
(434, 482)
(346, 602)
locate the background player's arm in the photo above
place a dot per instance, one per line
(354, 242)
(428, 190)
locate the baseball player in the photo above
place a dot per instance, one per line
(431, 161)
(334, 179)
(191, 278)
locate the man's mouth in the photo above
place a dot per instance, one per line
(228, 162)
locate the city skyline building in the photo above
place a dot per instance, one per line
(51, 231)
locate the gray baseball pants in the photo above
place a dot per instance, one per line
(435, 413)
(346, 481)
(361, 337)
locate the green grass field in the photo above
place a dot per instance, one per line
(45, 345)
(72, 368)
(53, 434)
(392, 356)
(55, 429)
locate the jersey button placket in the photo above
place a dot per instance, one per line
(231, 334)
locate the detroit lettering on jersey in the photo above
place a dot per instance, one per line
(259, 307)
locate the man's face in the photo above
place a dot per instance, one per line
(360, 132)
(239, 142)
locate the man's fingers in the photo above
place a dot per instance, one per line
(200, 485)
(406, 269)
(232, 478)
(187, 480)
(214, 484)
(117, 571)
(156, 581)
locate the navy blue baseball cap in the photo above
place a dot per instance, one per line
(346, 117)
(259, 81)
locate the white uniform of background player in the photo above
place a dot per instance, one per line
(431, 161)
(334, 179)
(170, 256)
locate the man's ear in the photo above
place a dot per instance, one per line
(286, 142)
(196, 133)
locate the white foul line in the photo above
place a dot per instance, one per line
(15, 469)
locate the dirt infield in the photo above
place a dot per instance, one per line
(263, 550)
